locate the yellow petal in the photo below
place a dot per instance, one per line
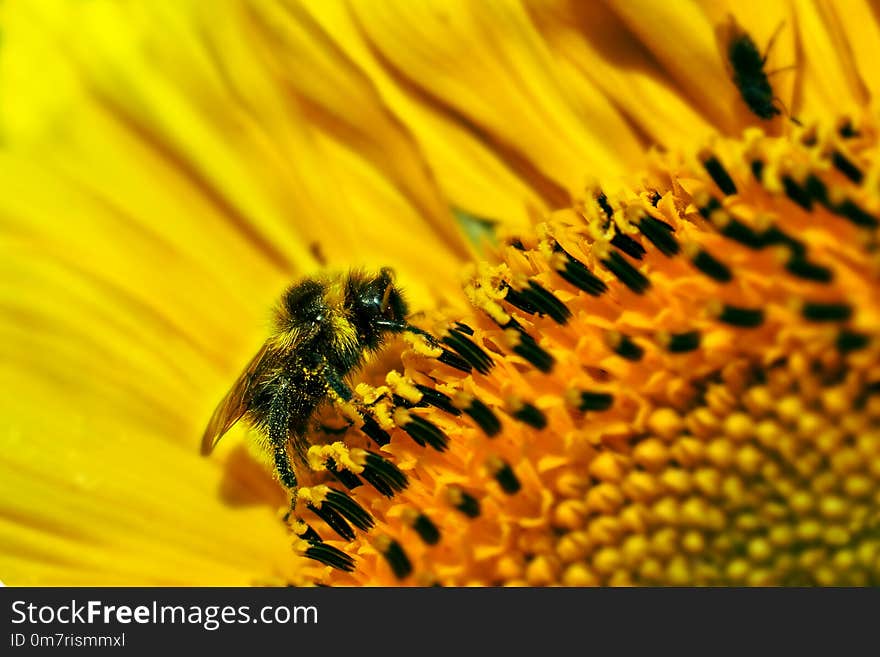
(486, 65)
(826, 79)
(309, 71)
(589, 39)
(232, 132)
(682, 37)
(854, 28)
(100, 480)
(474, 178)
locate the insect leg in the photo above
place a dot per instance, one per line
(279, 434)
(337, 383)
(283, 467)
(770, 42)
(345, 398)
(781, 70)
(786, 112)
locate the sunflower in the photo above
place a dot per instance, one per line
(645, 237)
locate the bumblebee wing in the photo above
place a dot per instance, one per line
(235, 404)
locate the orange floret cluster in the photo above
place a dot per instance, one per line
(672, 384)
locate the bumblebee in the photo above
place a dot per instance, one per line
(324, 327)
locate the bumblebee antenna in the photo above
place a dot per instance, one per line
(409, 328)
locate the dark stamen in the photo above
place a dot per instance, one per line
(847, 167)
(826, 312)
(517, 244)
(654, 197)
(330, 556)
(517, 299)
(310, 535)
(757, 167)
(855, 214)
(512, 324)
(372, 429)
(595, 401)
(426, 529)
(333, 519)
(532, 352)
(438, 399)
(379, 484)
(454, 360)
(464, 328)
(816, 189)
(468, 349)
(796, 193)
(744, 317)
(712, 267)
(710, 207)
(719, 174)
(869, 389)
(464, 502)
(483, 416)
(602, 201)
(505, 476)
(626, 273)
(809, 138)
(738, 231)
(628, 245)
(349, 509)
(773, 236)
(624, 346)
(547, 303)
(426, 433)
(847, 131)
(803, 268)
(850, 341)
(346, 477)
(659, 234)
(582, 278)
(576, 273)
(683, 342)
(397, 400)
(531, 415)
(383, 475)
(396, 558)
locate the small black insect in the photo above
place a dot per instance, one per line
(747, 68)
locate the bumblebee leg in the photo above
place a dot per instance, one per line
(341, 394)
(337, 383)
(279, 435)
(283, 467)
(344, 398)
(772, 41)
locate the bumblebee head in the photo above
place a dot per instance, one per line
(377, 306)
